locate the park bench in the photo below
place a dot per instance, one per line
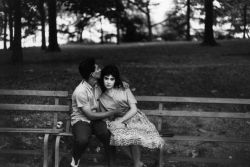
(51, 107)
(160, 113)
(167, 113)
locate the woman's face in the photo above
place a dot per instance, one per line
(109, 81)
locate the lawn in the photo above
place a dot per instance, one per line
(171, 69)
(164, 68)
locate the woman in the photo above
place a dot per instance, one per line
(133, 129)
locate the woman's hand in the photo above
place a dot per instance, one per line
(117, 124)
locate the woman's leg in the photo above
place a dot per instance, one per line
(136, 153)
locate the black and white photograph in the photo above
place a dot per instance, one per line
(124, 83)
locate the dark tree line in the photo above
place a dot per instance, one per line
(131, 17)
(234, 12)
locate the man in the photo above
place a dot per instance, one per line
(85, 119)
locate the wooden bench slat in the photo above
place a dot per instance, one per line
(25, 152)
(207, 160)
(192, 99)
(34, 107)
(65, 134)
(34, 93)
(209, 139)
(29, 130)
(196, 114)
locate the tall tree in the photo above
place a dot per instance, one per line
(244, 21)
(10, 4)
(84, 10)
(208, 38)
(52, 12)
(188, 37)
(4, 21)
(5, 31)
(17, 55)
(42, 20)
(118, 12)
(144, 7)
(175, 26)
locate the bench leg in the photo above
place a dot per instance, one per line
(161, 157)
(57, 145)
(45, 150)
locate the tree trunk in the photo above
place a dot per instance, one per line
(102, 33)
(245, 21)
(117, 30)
(80, 35)
(5, 31)
(17, 55)
(11, 28)
(53, 44)
(188, 38)
(10, 15)
(149, 23)
(42, 17)
(118, 14)
(209, 34)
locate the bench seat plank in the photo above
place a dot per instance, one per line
(24, 152)
(34, 107)
(208, 139)
(193, 100)
(206, 160)
(30, 130)
(197, 114)
(34, 93)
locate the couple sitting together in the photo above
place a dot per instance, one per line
(103, 105)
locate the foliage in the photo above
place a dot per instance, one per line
(133, 29)
(133, 24)
(30, 14)
(144, 7)
(85, 10)
(175, 25)
(232, 11)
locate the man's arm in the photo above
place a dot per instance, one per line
(99, 115)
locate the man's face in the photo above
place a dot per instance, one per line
(97, 73)
(94, 76)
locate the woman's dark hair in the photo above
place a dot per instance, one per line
(110, 70)
(86, 67)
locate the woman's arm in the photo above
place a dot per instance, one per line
(132, 111)
(99, 115)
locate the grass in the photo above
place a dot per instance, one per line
(167, 68)
(172, 69)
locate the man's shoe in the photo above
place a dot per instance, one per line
(73, 163)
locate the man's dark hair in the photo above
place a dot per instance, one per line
(110, 70)
(86, 67)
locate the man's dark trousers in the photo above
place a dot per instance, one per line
(82, 132)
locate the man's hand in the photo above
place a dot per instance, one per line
(125, 84)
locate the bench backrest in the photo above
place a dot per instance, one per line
(54, 108)
(161, 112)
